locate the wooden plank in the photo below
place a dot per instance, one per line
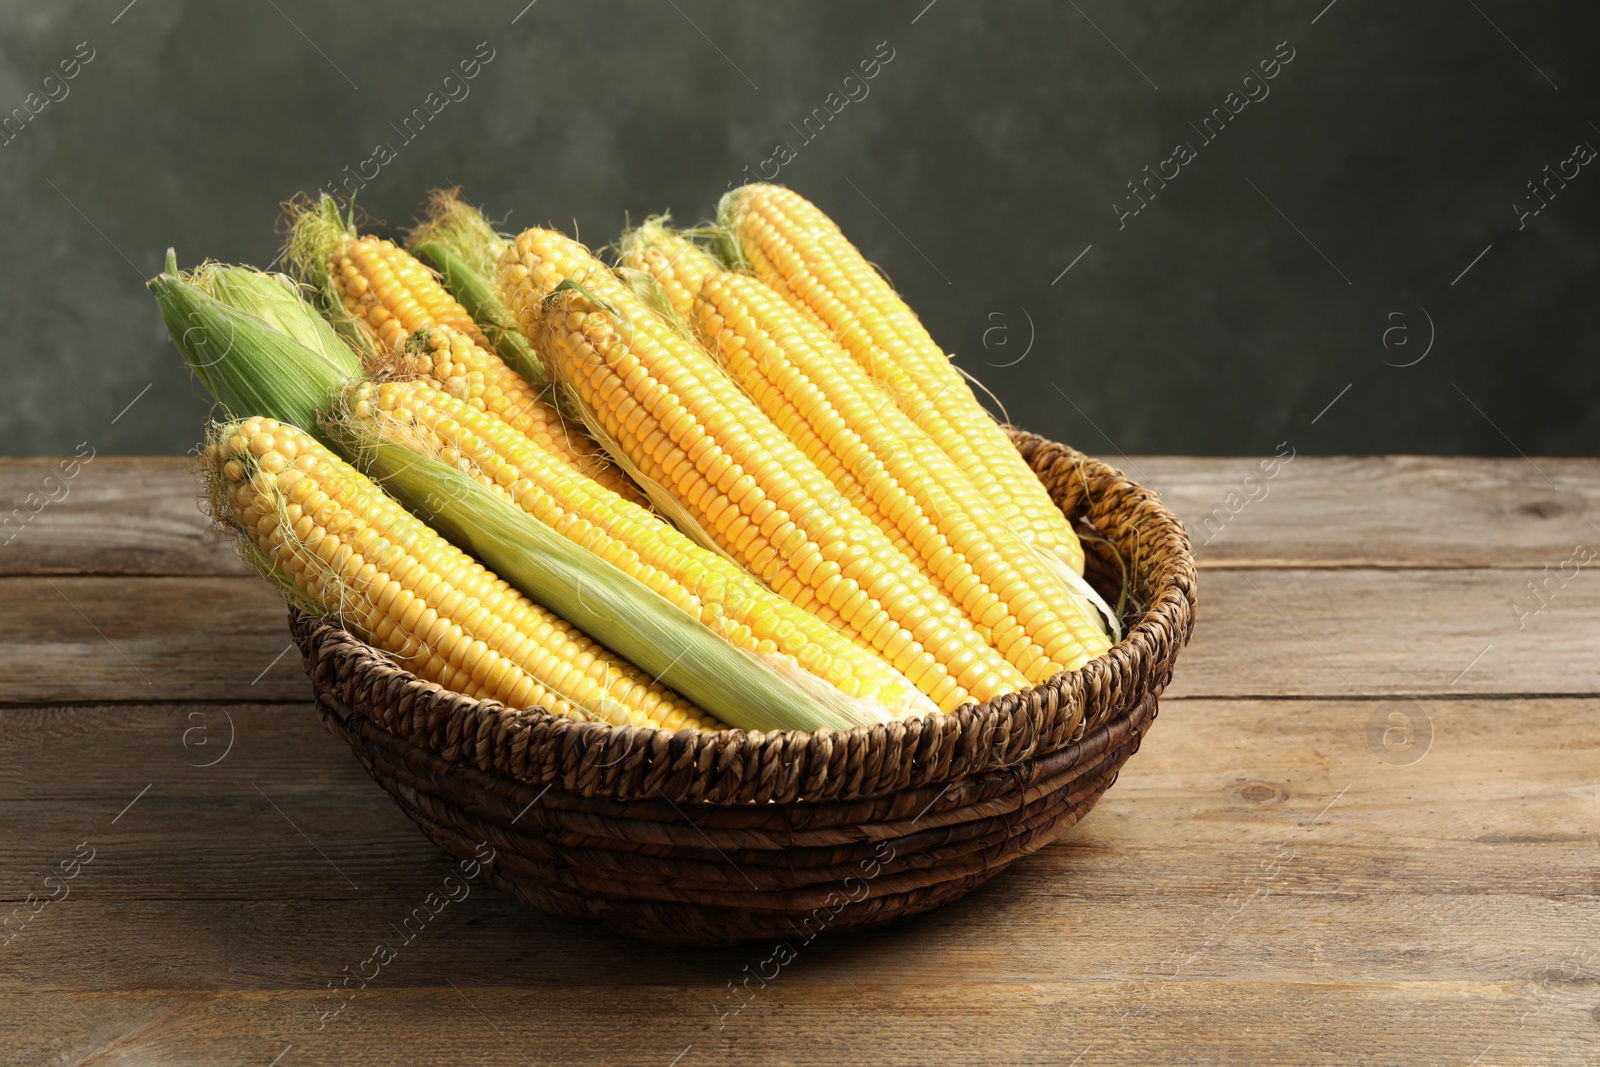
(115, 515)
(207, 639)
(1460, 871)
(87, 754)
(1379, 511)
(140, 516)
(1285, 633)
(481, 1022)
(1390, 633)
(1012, 928)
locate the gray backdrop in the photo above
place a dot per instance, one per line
(1369, 199)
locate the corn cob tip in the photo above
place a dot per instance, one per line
(160, 282)
(543, 269)
(318, 235)
(731, 204)
(276, 299)
(647, 233)
(242, 461)
(666, 267)
(374, 291)
(648, 259)
(531, 279)
(728, 206)
(721, 237)
(464, 247)
(458, 226)
(316, 231)
(229, 473)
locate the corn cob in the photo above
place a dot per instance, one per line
(466, 249)
(250, 365)
(711, 453)
(376, 293)
(739, 688)
(678, 266)
(705, 585)
(277, 300)
(344, 548)
(796, 249)
(878, 458)
(384, 288)
(462, 367)
(379, 295)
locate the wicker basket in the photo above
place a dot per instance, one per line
(700, 838)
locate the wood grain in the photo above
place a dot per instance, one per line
(1390, 633)
(149, 639)
(951, 1022)
(223, 946)
(117, 515)
(1304, 857)
(1380, 511)
(341, 844)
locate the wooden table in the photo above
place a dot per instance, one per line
(1363, 830)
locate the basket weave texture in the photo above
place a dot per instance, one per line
(715, 838)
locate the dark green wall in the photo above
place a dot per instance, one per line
(987, 154)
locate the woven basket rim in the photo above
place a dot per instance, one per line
(735, 766)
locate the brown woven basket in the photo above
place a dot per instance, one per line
(714, 838)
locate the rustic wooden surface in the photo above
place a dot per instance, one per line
(1365, 828)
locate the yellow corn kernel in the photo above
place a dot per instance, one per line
(390, 296)
(677, 264)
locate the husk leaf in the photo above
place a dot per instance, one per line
(281, 302)
(250, 367)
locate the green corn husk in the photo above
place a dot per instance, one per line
(317, 230)
(247, 364)
(465, 249)
(609, 605)
(278, 300)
